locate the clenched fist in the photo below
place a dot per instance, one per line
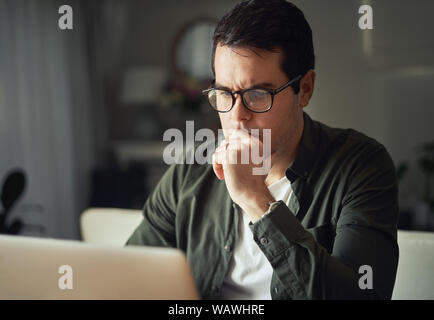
(237, 162)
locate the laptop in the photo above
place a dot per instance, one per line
(41, 268)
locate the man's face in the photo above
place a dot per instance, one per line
(241, 68)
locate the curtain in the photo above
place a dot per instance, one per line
(45, 114)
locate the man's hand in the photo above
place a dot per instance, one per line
(249, 191)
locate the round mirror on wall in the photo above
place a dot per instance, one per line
(192, 49)
(190, 65)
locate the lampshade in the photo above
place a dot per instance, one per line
(142, 85)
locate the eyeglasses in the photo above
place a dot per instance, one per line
(254, 99)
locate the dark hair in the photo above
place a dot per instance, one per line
(269, 25)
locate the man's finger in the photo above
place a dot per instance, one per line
(217, 166)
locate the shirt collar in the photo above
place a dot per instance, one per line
(307, 151)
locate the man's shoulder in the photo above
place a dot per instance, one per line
(349, 150)
(195, 163)
(347, 139)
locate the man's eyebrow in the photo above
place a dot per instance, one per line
(263, 85)
(255, 86)
(218, 85)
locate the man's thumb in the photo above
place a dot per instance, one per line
(218, 170)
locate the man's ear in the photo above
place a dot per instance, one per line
(307, 84)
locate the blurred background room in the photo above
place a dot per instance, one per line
(83, 111)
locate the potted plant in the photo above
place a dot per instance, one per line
(423, 211)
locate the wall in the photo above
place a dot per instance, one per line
(377, 81)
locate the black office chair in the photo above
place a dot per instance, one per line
(13, 188)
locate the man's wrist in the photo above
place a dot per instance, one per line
(259, 206)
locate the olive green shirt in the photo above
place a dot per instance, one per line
(343, 216)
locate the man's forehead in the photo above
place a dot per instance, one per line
(246, 67)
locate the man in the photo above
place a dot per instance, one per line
(327, 208)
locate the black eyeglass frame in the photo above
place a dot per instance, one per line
(241, 93)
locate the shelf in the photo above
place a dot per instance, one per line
(129, 151)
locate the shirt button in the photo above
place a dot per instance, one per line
(228, 248)
(275, 289)
(264, 241)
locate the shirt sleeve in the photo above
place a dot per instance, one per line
(365, 235)
(159, 212)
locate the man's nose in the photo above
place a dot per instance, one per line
(239, 112)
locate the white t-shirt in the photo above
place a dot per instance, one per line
(250, 272)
